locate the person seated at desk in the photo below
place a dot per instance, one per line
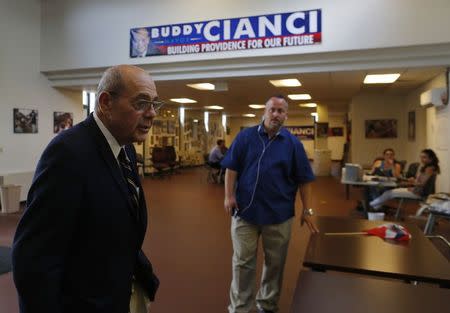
(387, 166)
(217, 153)
(417, 187)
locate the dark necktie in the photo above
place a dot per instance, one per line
(132, 185)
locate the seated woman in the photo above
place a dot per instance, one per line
(418, 185)
(387, 166)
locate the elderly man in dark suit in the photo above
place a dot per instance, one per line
(77, 247)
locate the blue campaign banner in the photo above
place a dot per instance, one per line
(254, 32)
(302, 132)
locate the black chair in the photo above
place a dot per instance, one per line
(171, 157)
(428, 189)
(412, 170)
(159, 161)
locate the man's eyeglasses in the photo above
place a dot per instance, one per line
(142, 105)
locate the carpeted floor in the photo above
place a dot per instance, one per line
(5, 260)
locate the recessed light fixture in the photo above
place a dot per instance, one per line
(302, 96)
(183, 100)
(291, 82)
(195, 121)
(308, 105)
(214, 107)
(381, 78)
(257, 106)
(249, 115)
(202, 86)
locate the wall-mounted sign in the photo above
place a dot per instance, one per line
(302, 132)
(255, 32)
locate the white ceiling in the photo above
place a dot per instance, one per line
(334, 89)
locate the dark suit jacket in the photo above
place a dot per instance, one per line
(79, 241)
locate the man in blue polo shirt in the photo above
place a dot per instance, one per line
(265, 166)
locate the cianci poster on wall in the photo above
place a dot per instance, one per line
(255, 32)
(302, 132)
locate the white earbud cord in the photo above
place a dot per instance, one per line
(257, 175)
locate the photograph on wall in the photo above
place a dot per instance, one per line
(386, 128)
(156, 128)
(25, 121)
(171, 127)
(336, 132)
(412, 125)
(62, 121)
(164, 127)
(322, 130)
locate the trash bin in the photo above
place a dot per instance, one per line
(10, 198)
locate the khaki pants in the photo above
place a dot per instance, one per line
(275, 240)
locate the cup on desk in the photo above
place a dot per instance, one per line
(375, 216)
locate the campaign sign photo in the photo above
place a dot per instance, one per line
(255, 32)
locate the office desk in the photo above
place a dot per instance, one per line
(336, 292)
(367, 182)
(416, 260)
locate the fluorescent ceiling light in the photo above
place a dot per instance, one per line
(291, 82)
(381, 78)
(249, 115)
(302, 96)
(257, 106)
(308, 105)
(183, 100)
(214, 107)
(202, 86)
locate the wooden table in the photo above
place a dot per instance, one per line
(331, 293)
(416, 260)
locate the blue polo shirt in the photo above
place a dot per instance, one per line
(269, 172)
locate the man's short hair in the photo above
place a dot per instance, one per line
(219, 142)
(279, 96)
(111, 81)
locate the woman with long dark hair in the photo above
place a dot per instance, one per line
(420, 186)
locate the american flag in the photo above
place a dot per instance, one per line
(390, 231)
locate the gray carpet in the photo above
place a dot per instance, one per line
(5, 260)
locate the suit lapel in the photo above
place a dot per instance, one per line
(111, 162)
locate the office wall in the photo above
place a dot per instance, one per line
(95, 33)
(23, 86)
(432, 131)
(372, 106)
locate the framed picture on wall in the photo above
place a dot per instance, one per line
(336, 132)
(322, 130)
(62, 121)
(25, 121)
(171, 127)
(381, 128)
(412, 125)
(156, 128)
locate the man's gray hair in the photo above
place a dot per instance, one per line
(111, 81)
